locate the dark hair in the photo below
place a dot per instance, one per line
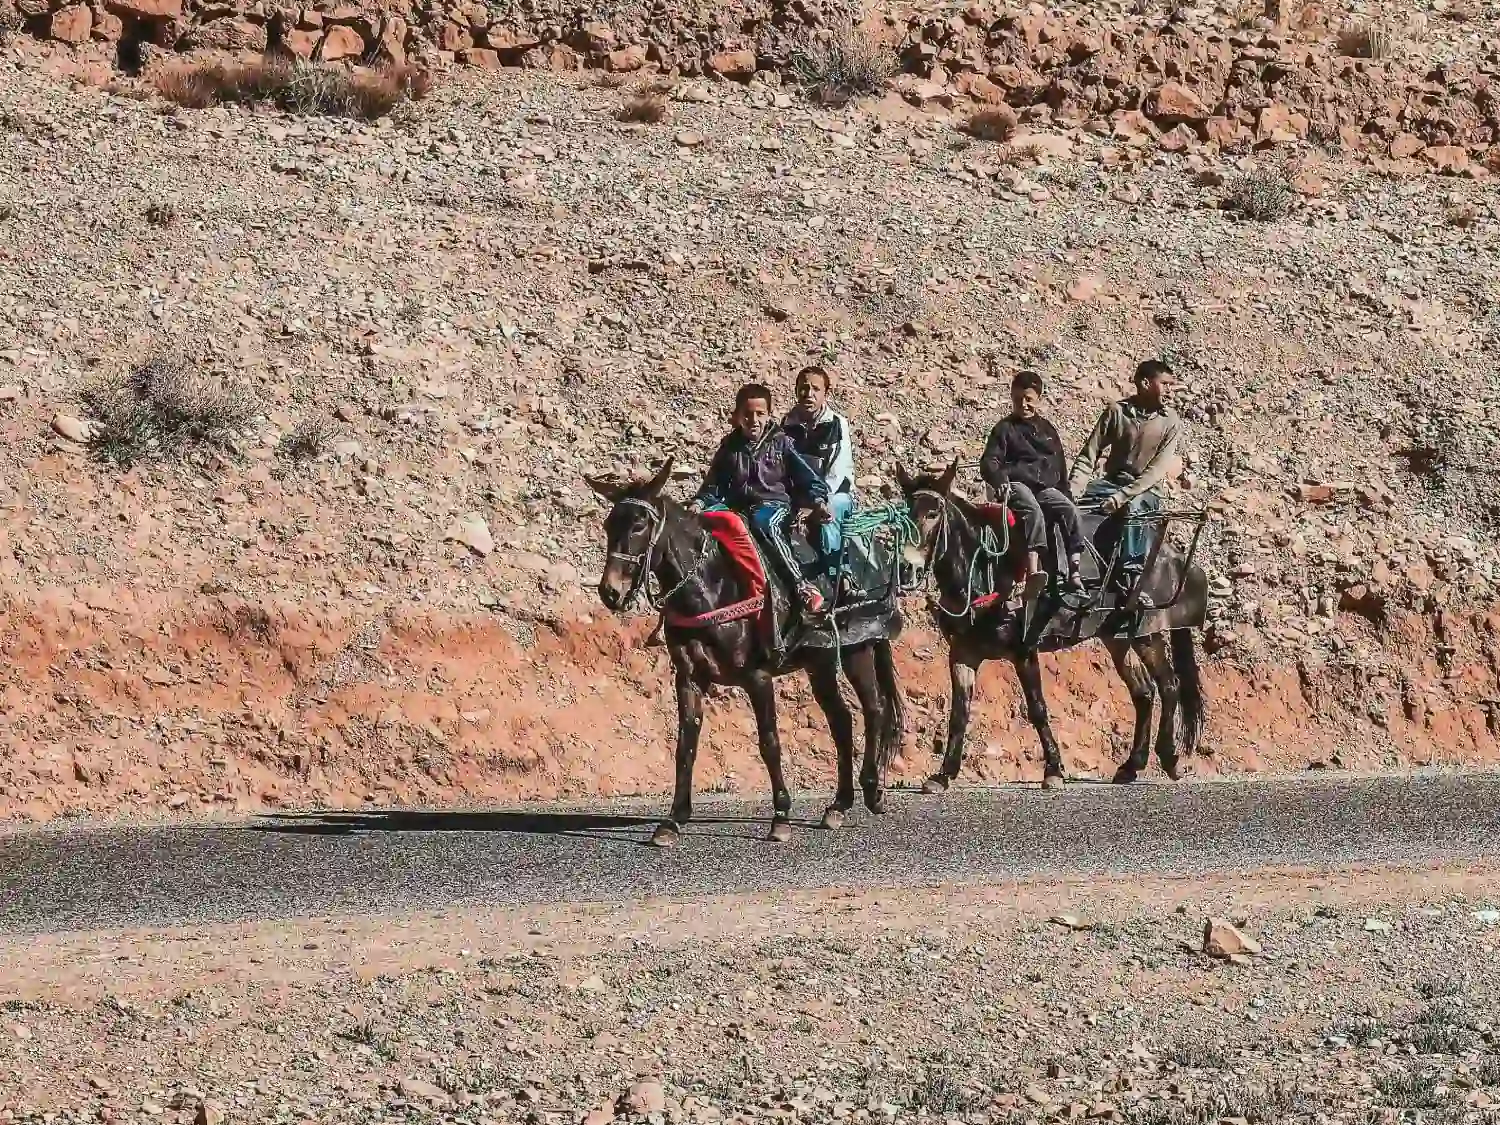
(752, 391)
(814, 369)
(1027, 381)
(1151, 369)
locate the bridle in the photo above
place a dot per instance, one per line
(940, 537)
(939, 547)
(645, 564)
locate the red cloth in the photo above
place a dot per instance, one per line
(990, 514)
(730, 529)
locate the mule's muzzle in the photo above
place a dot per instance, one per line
(614, 587)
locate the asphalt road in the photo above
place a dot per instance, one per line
(77, 878)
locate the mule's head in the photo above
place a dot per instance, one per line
(631, 530)
(926, 498)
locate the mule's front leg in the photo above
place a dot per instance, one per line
(824, 678)
(962, 672)
(1029, 672)
(762, 691)
(689, 727)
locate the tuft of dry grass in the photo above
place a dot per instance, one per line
(294, 86)
(644, 109)
(847, 64)
(1366, 41)
(161, 213)
(1264, 194)
(308, 440)
(996, 124)
(162, 406)
(10, 22)
(1461, 215)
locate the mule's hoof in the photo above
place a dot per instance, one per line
(935, 785)
(665, 836)
(1124, 775)
(875, 801)
(781, 832)
(1173, 769)
(1054, 781)
(833, 819)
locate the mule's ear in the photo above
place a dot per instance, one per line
(902, 479)
(607, 489)
(945, 482)
(653, 487)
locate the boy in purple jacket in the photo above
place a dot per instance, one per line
(757, 472)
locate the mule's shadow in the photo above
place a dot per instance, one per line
(616, 828)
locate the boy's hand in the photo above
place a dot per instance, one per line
(823, 513)
(1111, 503)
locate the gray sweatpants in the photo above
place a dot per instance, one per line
(1035, 510)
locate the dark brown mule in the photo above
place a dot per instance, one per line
(1153, 653)
(651, 535)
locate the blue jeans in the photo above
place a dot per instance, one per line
(831, 534)
(769, 522)
(1134, 538)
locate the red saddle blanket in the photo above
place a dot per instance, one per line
(733, 535)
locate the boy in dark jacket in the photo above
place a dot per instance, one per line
(757, 471)
(1025, 452)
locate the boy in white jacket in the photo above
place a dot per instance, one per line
(823, 437)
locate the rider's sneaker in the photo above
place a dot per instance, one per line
(1035, 584)
(850, 590)
(1075, 584)
(812, 601)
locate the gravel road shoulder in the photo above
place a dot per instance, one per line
(1375, 991)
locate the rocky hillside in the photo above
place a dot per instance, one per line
(425, 330)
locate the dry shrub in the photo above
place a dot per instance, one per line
(1264, 194)
(308, 440)
(294, 86)
(162, 406)
(1461, 215)
(646, 109)
(997, 124)
(847, 64)
(10, 22)
(612, 80)
(162, 213)
(1366, 41)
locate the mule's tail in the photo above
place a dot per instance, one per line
(1189, 690)
(893, 717)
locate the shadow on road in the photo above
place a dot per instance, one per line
(613, 827)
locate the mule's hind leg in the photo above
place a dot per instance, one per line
(1029, 672)
(1138, 682)
(762, 691)
(962, 672)
(824, 678)
(1153, 653)
(859, 666)
(689, 727)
